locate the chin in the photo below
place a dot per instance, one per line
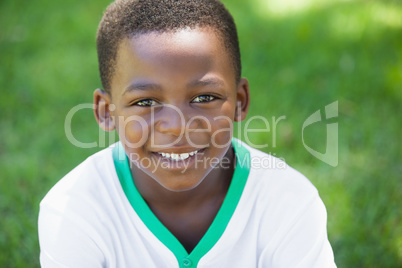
(181, 188)
(179, 184)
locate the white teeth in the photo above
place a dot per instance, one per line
(178, 157)
(184, 156)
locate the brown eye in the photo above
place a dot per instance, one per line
(203, 98)
(146, 103)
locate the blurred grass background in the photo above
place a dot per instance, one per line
(299, 57)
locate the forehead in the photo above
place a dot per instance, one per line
(185, 51)
(179, 41)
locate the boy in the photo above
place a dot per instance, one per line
(177, 190)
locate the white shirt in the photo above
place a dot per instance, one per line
(272, 216)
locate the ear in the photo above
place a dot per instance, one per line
(102, 110)
(243, 100)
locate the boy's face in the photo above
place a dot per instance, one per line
(173, 101)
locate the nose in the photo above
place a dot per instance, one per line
(171, 120)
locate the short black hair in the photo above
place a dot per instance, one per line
(126, 18)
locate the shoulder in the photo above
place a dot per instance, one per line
(274, 190)
(286, 212)
(85, 188)
(83, 176)
(74, 213)
(274, 177)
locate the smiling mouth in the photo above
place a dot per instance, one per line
(178, 157)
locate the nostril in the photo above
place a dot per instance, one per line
(170, 128)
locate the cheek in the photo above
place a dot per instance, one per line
(133, 131)
(222, 127)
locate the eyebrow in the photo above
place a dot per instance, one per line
(214, 82)
(141, 85)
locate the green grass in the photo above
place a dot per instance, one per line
(297, 62)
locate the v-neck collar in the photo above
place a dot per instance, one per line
(218, 225)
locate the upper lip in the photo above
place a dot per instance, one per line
(177, 150)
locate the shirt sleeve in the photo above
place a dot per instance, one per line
(66, 242)
(304, 243)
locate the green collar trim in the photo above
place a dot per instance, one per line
(218, 225)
